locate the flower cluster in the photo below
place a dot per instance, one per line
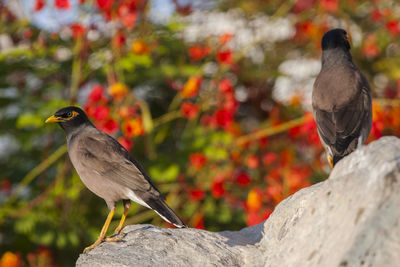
(111, 115)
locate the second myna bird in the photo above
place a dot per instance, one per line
(108, 170)
(341, 99)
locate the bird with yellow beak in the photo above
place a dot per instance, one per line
(108, 170)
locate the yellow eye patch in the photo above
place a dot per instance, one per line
(73, 115)
(62, 119)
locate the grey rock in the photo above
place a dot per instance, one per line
(351, 219)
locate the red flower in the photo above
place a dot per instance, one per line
(127, 15)
(196, 194)
(330, 5)
(207, 120)
(197, 160)
(105, 5)
(223, 117)
(96, 94)
(206, 50)
(225, 86)
(393, 27)
(125, 142)
(376, 15)
(77, 30)
(275, 192)
(217, 188)
(111, 126)
(377, 129)
(371, 50)
(196, 53)
(230, 103)
(62, 4)
(252, 162)
(243, 179)
(253, 218)
(302, 5)
(101, 112)
(6, 186)
(189, 110)
(263, 142)
(225, 57)
(118, 40)
(39, 4)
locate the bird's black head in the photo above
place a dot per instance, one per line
(70, 118)
(336, 38)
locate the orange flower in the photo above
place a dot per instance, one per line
(309, 28)
(140, 47)
(126, 112)
(223, 39)
(254, 199)
(370, 47)
(191, 87)
(9, 259)
(275, 192)
(118, 91)
(132, 127)
(252, 162)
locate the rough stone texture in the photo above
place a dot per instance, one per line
(351, 219)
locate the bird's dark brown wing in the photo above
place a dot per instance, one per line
(340, 127)
(106, 156)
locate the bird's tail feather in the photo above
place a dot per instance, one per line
(165, 212)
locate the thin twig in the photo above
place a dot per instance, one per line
(271, 130)
(167, 117)
(36, 171)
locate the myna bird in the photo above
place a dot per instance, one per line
(109, 170)
(341, 99)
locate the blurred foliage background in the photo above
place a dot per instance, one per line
(212, 97)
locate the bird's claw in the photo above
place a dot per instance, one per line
(113, 238)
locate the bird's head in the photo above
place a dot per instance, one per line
(336, 38)
(69, 118)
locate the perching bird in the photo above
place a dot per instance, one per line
(108, 170)
(341, 99)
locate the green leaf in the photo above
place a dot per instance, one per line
(29, 120)
(131, 61)
(164, 173)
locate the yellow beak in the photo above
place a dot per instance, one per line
(52, 119)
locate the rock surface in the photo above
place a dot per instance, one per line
(351, 219)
